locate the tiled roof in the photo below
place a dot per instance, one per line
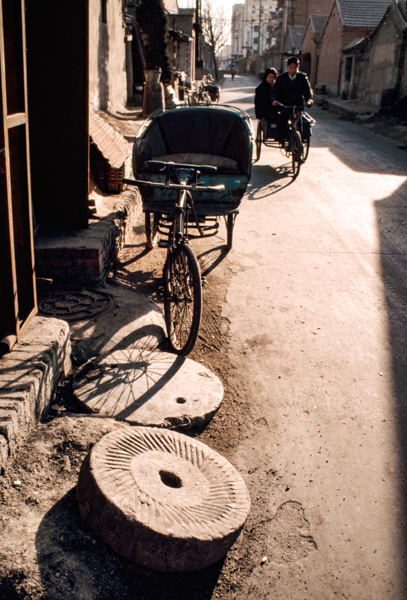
(318, 23)
(362, 13)
(294, 38)
(109, 141)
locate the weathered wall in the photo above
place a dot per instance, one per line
(107, 57)
(403, 83)
(379, 73)
(186, 50)
(377, 69)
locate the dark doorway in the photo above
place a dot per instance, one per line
(57, 70)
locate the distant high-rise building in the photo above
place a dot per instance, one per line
(258, 20)
(237, 31)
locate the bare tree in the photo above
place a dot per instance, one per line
(216, 28)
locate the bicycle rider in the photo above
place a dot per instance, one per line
(291, 88)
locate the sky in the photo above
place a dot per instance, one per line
(226, 4)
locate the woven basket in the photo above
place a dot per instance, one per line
(108, 178)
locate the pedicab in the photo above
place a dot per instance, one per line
(192, 165)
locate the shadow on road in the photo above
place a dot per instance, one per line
(392, 225)
(210, 259)
(369, 155)
(269, 180)
(73, 564)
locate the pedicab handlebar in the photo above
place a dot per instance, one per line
(294, 109)
(186, 174)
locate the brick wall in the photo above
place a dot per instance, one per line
(330, 56)
(305, 8)
(309, 47)
(29, 375)
(85, 257)
(334, 39)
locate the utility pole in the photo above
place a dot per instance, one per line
(198, 41)
(259, 43)
(284, 31)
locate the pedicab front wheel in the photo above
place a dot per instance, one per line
(258, 140)
(296, 153)
(182, 298)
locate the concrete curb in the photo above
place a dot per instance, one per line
(343, 112)
(340, 110)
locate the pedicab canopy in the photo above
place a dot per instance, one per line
(216, 135)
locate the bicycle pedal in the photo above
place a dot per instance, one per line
(162, 244)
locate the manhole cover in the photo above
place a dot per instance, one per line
(77, 306)
(161, 499)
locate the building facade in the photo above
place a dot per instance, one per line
(373, 69)
(237, 31)
(288, 27)
(258, 18)
(108, 63)
(348, 21)
(311, 46)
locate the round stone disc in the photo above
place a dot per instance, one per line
(162, 499)
(149, 388)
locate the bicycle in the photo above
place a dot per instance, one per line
(294, 144)
(211, 88)
(182, 278)
(199, 95)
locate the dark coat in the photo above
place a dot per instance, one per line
(292, 93)
(263, 107)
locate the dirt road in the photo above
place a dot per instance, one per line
(317, 325)
(304, 322)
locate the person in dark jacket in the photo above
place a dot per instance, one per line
(291, 88)
(263, 106)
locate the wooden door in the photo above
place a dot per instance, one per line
(17, 277)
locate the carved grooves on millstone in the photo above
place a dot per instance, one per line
(214, 508)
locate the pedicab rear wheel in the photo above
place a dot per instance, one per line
(296, 153)
(230, 224)
(306, 144)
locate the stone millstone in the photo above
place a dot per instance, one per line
(161, 499)
(149, 388)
